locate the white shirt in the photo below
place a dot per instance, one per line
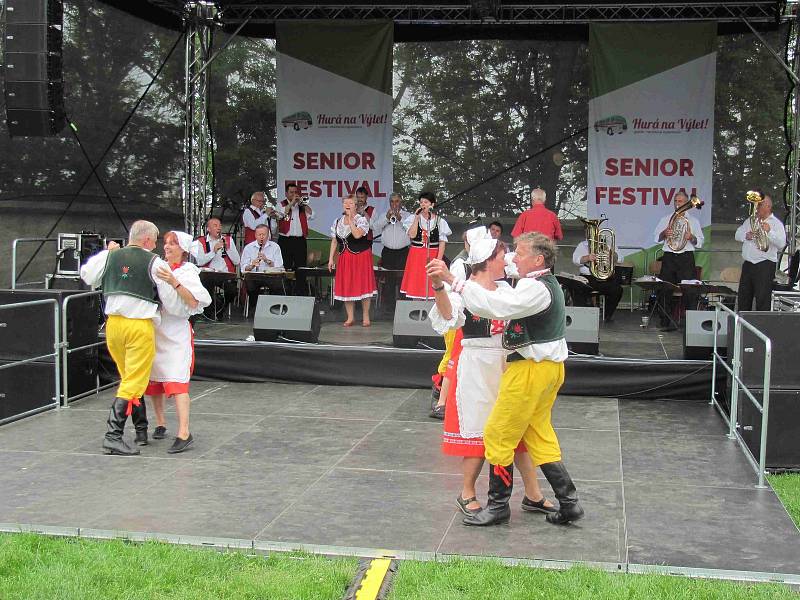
(776, 236)
(128, 306)
(530, 297)
(271, 250)
(444, 228)
(393, 236)
(295, 228)
(342, 229)
(214, 260)
(694, 227)
(581, 251)
(252, 222)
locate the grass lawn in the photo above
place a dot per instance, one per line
(34, 567)
(463, 580)
(788, 489)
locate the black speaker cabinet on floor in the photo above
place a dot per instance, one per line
(783, 329)
(34, 87)
(783, 427)
(698, 334)
(412, 324)
(25, 387)
(293, 317)
(583, 329)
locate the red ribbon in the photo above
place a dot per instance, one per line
(503, 474)
(131, 403)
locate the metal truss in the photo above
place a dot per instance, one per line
(197, 189)
(531, 13)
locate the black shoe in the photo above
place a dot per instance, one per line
(566, 494)
(119, 447)
(501, 482)
(113, 442)
(141, 438)
(160, 433)
(181, 445)
(531, 506)
(463, 503)
(437, 412)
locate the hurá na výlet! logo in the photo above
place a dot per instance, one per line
(297, 121)
(612, 125)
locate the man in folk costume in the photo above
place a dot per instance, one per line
(292, 234)
(132, 290)
(217, 253)
(535, 372)
(255, 215)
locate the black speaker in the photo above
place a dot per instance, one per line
(412, 325)
(34, 88)
(292, 317)
(783, 330)
(26, 332)
(25, 387)
(783, 427)
(582, 329)
(698, 335)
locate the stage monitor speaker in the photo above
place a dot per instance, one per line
(783, 427)
(34, 87)
(412, 325)
(25, 387)
(783, 330)
(698, 335)
(583, 329)
(292, 317)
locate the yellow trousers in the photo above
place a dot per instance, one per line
(132, 345)
(449, 337)
(528, 390)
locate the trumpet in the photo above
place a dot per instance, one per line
(394, 217)
(301, 203)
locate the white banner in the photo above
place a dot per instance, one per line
(334, 135)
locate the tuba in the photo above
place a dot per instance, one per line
(679, 224)
(602, 243)
(760, 238)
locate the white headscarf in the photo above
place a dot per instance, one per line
(481, 245)
(185, 241)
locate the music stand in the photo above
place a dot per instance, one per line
(216, 280)
(660, 289)
(705, 288)
(264, 279)
(573, 284)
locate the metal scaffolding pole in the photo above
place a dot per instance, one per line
(794, 205)
(197, 189)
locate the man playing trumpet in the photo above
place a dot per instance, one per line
(293, 232)
(389, 226)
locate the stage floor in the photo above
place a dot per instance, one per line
(622, 338)
(338, 469)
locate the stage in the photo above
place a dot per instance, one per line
(358, 470)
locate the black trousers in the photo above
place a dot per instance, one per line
(295, 254)
(610, 288)
(674, 268)
(756, 282)
(394, 259)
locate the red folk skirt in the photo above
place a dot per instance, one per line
(413, 284)
(453, 443)
(355, 278)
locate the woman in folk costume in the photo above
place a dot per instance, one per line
(174, 361)
(355, 277)
(474, 371)
(428, 233)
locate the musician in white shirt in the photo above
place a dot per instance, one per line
(215, 252)
(261, 256)
(395, 240)
(758, 267)
(256, 214)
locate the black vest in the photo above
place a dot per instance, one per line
(546, 326)
(351, 243)
(433, 236)
(475, 326)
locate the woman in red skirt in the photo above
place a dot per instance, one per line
(355, 279)
(428, 233)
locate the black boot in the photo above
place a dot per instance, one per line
(501, 482)
(566, 494)
(139, 418)
(113, 442)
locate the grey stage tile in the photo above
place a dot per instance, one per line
(209, 498)
(70, 489)
(599, 536)
(415, 408)
(670, 416)
(583, 412)
(15, 462)
(403, 446)
(741, 529)
(250, 398)
(593, 455)
(376, 509)
(692, 460)
(347, 402)
(294, 441)
(53, 431)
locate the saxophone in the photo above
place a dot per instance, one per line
(679, 224)
(760, 238)
(602, 243)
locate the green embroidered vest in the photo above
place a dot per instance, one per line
(128, 272)
(546, 326)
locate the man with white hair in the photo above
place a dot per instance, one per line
(538, 218)
(132, 290)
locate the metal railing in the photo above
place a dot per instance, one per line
(734, 370)
(55, 354)
(14, 259)
(66, 351)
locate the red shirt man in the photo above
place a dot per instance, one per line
(538, 218)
